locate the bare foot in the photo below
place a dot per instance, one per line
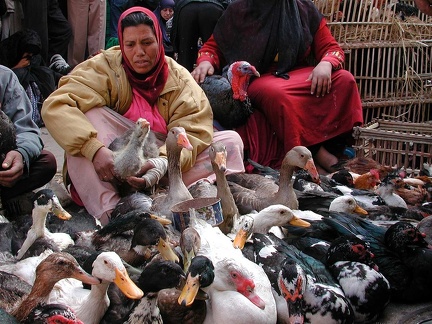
(325, 160)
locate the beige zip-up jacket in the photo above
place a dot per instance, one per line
(102, 81)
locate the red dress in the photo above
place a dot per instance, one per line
(286, 113)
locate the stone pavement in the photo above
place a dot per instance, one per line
(394, 313)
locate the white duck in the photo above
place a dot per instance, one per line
(263, 221)
(241, 291)
(91, 305)
(45, 201)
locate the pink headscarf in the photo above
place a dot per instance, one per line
(149, 85)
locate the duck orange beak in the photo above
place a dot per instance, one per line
(240, 239)
(162, 220)
(189, 291)
(165, 250)
(60, 212)
(296, 221)
(126, 285)
(360, 210)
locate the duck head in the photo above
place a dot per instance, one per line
(292, 284)
(200, 274)
(350, 248)
(402, 236)
(109, 268)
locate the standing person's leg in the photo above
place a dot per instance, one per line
(187, 35)
(208, 17)
(78, 16)
(97, 26)
(59, 30)
(36, 18)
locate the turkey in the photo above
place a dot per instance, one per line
(227, 94)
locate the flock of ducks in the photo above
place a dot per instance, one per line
(294, 247)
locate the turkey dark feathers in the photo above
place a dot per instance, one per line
(227, 94)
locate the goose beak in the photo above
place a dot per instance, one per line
(360, 210)
(60, 212)
(311, 168)
(126, 285)
(165, 250)
(85, 277)
(296, 221)
(189, 291)
(220, 161)
(240, 239)
(162, 220)
(182, 140)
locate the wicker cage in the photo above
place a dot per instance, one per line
(375, 20)
(394, 143)
(388, 49)
(394, 80)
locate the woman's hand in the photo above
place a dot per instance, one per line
(103, 162)
(202, 70)
(13, 166)
(138, 182)
(321, 79)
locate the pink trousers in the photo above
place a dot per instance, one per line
(99, 197)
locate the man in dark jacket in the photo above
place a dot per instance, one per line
(26, 165)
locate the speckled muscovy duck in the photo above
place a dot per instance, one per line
(298, 279)
(401, 254)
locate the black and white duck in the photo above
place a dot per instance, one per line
(351, 264)
(400, 251)
(44, 202)
(307, 283)
(253, 192)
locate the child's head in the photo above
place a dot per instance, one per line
(167, 9)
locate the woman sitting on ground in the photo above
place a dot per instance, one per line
(103, 97)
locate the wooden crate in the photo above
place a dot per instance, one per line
(394, 143)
